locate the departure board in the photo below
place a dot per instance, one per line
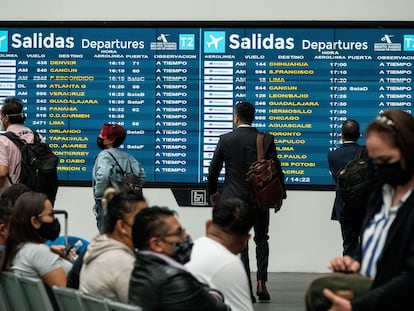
(174, 89)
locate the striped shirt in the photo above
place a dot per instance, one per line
(376, 232)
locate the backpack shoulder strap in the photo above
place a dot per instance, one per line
(117, 163)
(15, 139)
(19, 144)
(36, 137)
(259, 145)
(360, 150)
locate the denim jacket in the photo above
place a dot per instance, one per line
(106, 169)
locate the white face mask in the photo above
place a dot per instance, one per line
(2, 128)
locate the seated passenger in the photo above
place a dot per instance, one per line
(32, 223)
(109, 259)
(159, 281)
(214, 259)
(13, 192)
(5, 211)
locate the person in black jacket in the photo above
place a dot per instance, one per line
(387, 252)
(237, 150)
(159, 281)
(349, 217)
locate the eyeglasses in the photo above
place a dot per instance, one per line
(179, 232)
(52, 214)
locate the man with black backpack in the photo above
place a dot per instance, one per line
(24, 156)
(12, 120)
(349, 217)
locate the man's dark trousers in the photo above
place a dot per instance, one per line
(261, 237)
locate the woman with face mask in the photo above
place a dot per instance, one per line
(387, 243)
(32, 223)
(109, 259)
(108, 164)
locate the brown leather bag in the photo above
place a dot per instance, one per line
(264, 177)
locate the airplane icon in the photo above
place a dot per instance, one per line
(163, 38)
(2, 38)
(387, 38)
(215, 41)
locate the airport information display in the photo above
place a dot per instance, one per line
(173, 89)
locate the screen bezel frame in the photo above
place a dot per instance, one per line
(377, 24)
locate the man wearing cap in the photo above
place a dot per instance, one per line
(12, 119)
(108, 164)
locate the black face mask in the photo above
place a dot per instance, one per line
(393, 174)
(182, 251)
(50, 230)
(100, 143)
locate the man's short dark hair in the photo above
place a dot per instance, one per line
(245, 112)
(350, 130)
(13, 192)
(234, 216)
(13, 108)
(149, 223)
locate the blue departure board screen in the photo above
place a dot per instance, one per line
(174, 89)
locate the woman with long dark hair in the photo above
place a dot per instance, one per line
(32, 223)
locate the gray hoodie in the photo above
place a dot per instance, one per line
(106, 269)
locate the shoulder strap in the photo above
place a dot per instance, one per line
(130, 163)
(259, 145)
(122, 171)
(21, 142)
(359, 152)
(36, 137)
(15, 139)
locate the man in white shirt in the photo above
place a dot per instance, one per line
(214, 258)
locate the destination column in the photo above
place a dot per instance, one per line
(292, 94)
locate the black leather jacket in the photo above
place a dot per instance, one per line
(157, 286)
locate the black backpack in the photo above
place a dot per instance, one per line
(38, 165)
(129, 179)
(356, 180)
